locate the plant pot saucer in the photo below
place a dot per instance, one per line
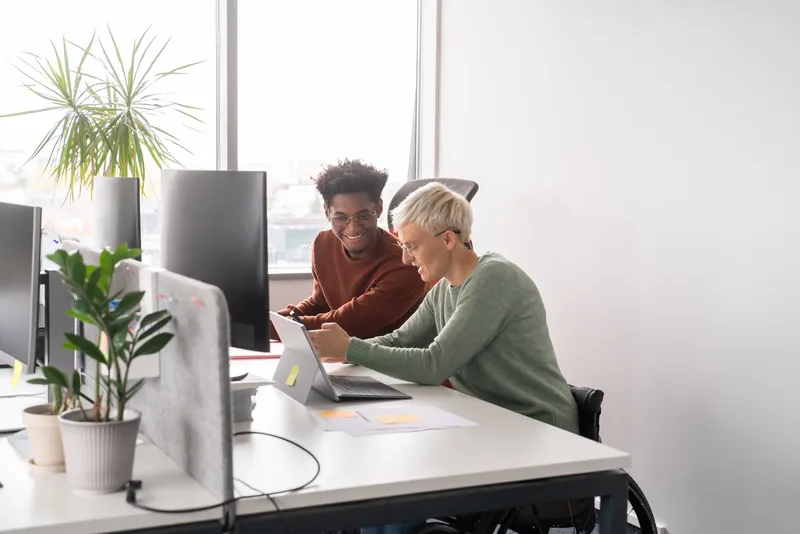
(59, 468)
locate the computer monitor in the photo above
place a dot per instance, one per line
(20, 250)
(214, 229)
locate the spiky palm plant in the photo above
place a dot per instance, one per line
(108, 108)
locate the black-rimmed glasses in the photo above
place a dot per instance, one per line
(341, 221)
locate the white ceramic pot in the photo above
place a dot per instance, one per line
(44, 435)
(117, 213)
(99, 456)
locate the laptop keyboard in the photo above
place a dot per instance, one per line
(346, 386)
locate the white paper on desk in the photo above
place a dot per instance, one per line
(370, 421)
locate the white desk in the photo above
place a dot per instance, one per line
(505, 448)
(36, 503)
(507, 460)
(43, 503)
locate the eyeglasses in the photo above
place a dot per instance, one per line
(409, 250)
(341, 221)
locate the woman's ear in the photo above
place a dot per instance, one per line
(450, 239)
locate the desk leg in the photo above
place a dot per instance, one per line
(614, 506)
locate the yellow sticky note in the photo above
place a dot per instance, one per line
(17, 374)
(337, 414)
(397, 418)
(292, 378)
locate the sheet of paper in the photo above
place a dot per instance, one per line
(377, 420)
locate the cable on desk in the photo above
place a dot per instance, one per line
(132, 486)
(17, 395)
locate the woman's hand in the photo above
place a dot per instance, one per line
(331, 343)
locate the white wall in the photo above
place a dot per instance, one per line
(283, 292)
(641, 160)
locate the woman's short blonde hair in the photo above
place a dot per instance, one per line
(435, 208)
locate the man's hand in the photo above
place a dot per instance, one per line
(331, 343)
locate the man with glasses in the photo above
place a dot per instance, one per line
(360, 280)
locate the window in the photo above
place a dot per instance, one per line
(318, 81)
(192, 38)
(321, 81)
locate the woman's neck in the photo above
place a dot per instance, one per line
(464, 262)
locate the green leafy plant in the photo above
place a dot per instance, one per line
(119, 321)
(109, 110)
(66, 393)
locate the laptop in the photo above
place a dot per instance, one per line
(300, 370)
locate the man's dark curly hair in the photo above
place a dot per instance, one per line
(350, 176)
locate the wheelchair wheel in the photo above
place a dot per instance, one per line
(637, 504)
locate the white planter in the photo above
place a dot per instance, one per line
(44, 436)
(117, 214)
(99, 456)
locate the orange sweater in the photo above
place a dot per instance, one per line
(368, 297)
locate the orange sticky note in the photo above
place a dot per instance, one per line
(292, 378)
(397, 418)
(17, 374)
(337, 414)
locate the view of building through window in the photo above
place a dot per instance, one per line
(318, 81)
(321, 81)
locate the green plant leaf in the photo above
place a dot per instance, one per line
(58, 398)
(59, 257)
(76, 383)
(129, 302)
(39, 382)
(79, 305)
(107, 262)
(87, 347)
(88, 319)
(154, 344)
(153, 317)
(96, 292)
(122, 347)
(158, 325)
(31, 112)
(77, 269)
(55, 376)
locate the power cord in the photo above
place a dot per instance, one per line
(17, 395)
(132, 486)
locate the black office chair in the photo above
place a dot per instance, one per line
(537, 519)
(465, 188)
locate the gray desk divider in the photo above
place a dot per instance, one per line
(186, 411)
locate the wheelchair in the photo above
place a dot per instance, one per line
(579, 514)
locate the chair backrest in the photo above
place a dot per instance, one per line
(588, 401)
(465, 188)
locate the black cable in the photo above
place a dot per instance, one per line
(132, 486)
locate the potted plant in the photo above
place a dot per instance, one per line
(100, 440)
(41, 421)
(109, 108)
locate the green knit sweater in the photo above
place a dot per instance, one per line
(488, 336)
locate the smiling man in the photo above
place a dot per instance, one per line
(360, 280)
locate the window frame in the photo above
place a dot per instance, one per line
(228, 98)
